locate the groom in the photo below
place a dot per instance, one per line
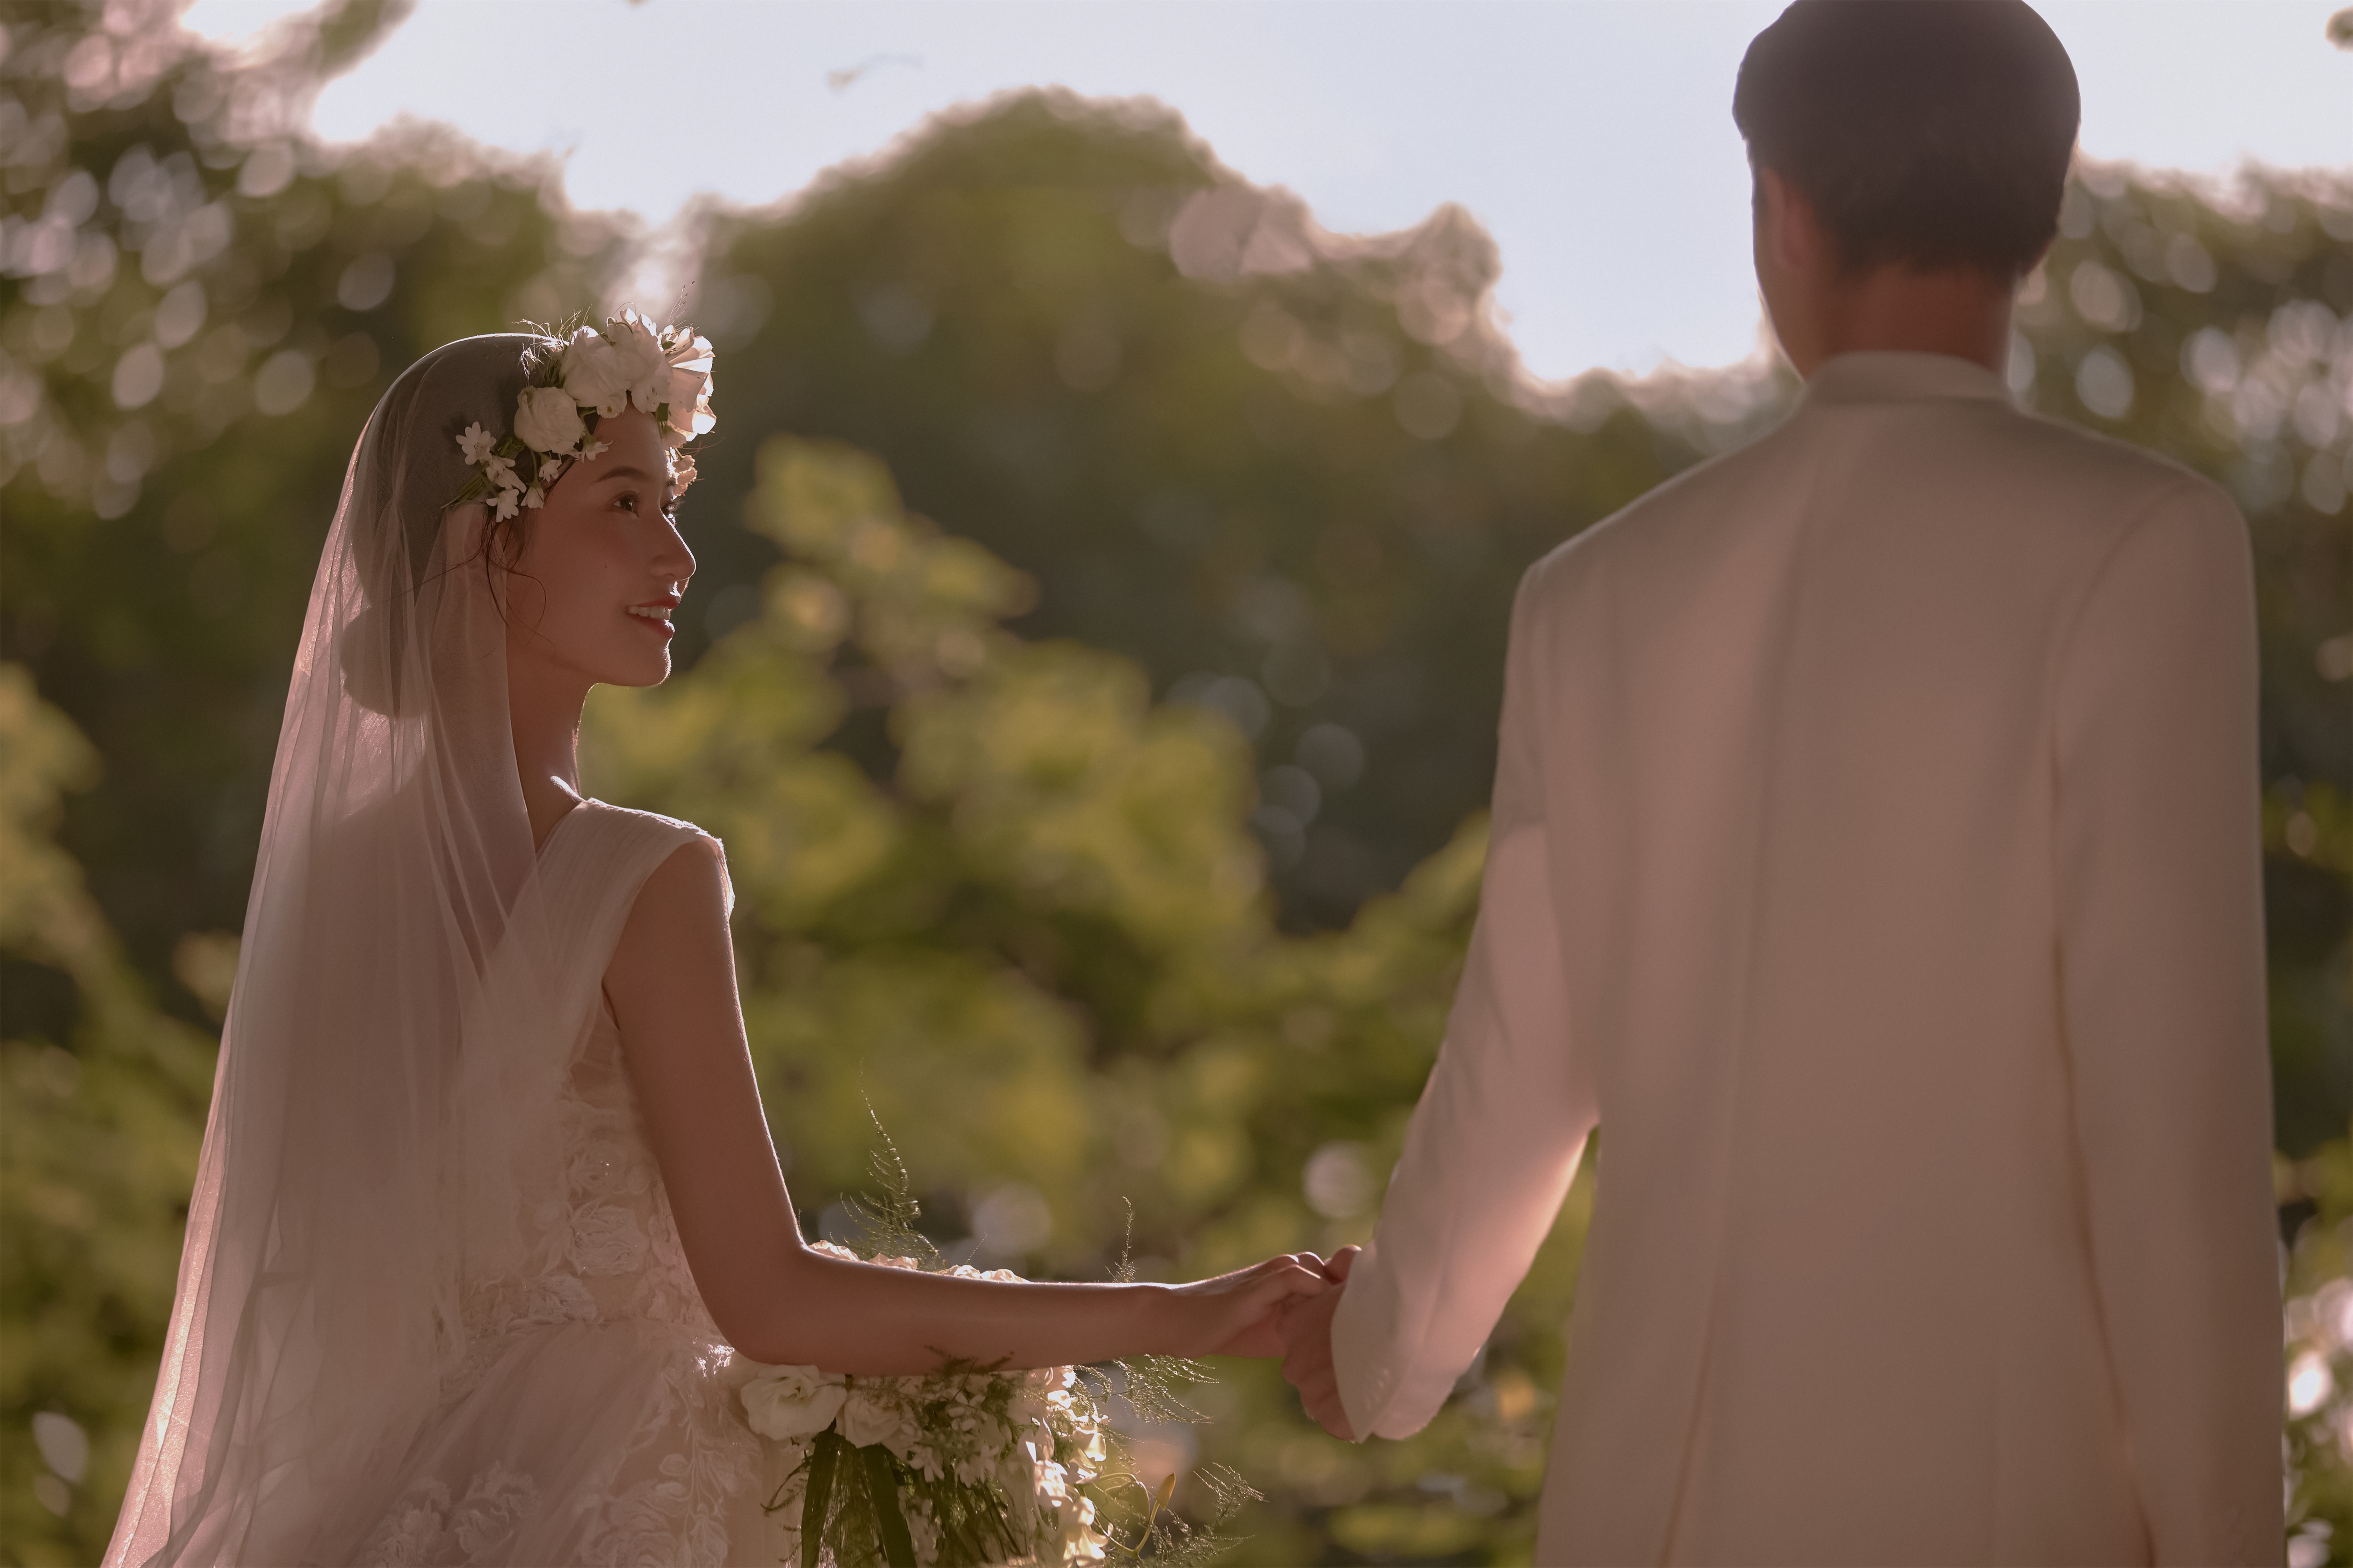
(1875, 864)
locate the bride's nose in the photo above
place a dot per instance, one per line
(674, 558)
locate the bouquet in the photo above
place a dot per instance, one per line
(970, 1467)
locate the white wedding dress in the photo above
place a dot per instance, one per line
(594, 1418)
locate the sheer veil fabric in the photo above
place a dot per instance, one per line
(391, 1014)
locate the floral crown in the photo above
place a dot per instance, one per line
(665, 371)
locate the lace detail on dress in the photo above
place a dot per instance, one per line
(422, 1528)
(593, 1382)
(608, 1244)
(679, 1513)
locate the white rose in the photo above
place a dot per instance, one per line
(1085, 1543)
(638, 361)
(689, 397)
(592, 373)
(788, 1402)
(687, 349)
(868, 1418)
(1088, 1461)
(548, 420)
(1038, 1439)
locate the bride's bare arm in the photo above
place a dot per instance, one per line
(671, 983)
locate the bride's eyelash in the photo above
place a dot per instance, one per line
(668, 508)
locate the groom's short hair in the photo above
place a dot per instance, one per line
(1928, 132)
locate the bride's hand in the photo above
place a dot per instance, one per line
(1241, 1313)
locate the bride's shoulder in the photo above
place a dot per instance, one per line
(650, 824)
(685, 864)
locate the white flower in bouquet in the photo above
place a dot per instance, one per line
(548, 420)
(788, 1401)
(1082, 1542)
(1088, 1459)
(969, 1465)
(871, 1416)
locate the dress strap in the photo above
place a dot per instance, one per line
(590, 875)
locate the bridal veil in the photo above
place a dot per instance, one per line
(356, 1165)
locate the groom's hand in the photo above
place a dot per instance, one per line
(1307, 1349)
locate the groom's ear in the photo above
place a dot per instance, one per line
(1790, 229)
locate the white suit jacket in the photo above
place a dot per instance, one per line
(1875, 861)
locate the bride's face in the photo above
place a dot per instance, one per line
(602, 567)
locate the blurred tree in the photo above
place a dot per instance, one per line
(1290, 472)
(198, 306)
(105, 1103)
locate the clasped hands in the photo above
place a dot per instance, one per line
(1306, 1329)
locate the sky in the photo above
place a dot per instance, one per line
(1592, 138)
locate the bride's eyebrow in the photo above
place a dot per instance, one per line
(625, 472)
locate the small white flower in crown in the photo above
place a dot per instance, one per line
(664, 370)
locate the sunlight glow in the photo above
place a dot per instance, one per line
(1592, 138)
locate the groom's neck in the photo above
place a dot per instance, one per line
(1959, 311)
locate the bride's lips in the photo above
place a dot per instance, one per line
(655, 613)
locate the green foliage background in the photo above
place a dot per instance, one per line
(1092, 670)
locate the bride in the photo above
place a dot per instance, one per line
(488, 1229)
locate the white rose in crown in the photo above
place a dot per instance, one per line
(664, 370)
(690, 405)
(689, 392)
(869, 1417)
(638, 360)
(788, 1401)
(548, 420)
(592, 373)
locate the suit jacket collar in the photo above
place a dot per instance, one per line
(1885, 376)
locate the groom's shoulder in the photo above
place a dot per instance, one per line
(2072, 482)
(2052, 450)
(1704, 490)
(2019, 464)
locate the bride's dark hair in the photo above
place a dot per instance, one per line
(406, 469)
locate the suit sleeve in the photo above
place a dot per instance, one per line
(2159, 872)
(1494, 1142)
